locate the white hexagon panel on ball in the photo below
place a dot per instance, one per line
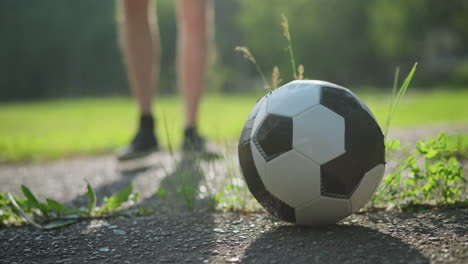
(367, 187)
(324, 83)
(294, 98)
(293, 178)
(322, 211)
(319, 134)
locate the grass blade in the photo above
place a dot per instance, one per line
(249, 56)
(168, 135)
(392, 100)
(91, 198)
(406, 83)
(396, 98)
(275, 78)
(58, 224)
(32, 200)
(287, 35)
(395, 81)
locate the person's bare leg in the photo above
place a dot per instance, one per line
(192, 50)
(140, 46)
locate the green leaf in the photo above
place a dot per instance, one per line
(421, 147)
(58, 224)
(114, 202)
(91, 198)
(410, 162)
(3, 199)
(32, 200)
(58, 207)
(453, 162)
(30, 197)
(392, 144)
(442, 138)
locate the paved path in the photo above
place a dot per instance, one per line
(174, 234)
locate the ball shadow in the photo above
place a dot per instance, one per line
(180, 186)
(333, 244)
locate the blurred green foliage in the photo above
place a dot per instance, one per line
(52, 48)
(57, 48)
(440, 180)
(360, 41)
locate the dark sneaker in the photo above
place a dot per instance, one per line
(144, 142)
(194, 144)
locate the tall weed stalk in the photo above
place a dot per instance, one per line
(397, 95)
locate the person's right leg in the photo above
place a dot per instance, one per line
(140, 46)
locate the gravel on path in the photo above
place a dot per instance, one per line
(218, 237)
(174, 234)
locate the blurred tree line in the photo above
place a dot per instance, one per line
(56, 48)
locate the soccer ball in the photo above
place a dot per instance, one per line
(311, 152)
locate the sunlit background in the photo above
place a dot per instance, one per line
(63, 86)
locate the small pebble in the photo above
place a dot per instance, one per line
(104, 249)
(119, 232)
(233, 260)
(218, 230)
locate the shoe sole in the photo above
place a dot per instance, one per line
(202, 155)
(137, 155)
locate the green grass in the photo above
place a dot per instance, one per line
(59, 128)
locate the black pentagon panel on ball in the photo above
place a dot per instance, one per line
(271, 203)
(364, 139)
(274, 136)
(340, 176)
(364, 145)
(339, 101)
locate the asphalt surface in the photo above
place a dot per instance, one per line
(172, 233)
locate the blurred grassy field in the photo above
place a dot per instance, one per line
(59, 128)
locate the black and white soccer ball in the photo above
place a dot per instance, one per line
(311, 152)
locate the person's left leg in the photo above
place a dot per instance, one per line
(191, 62)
